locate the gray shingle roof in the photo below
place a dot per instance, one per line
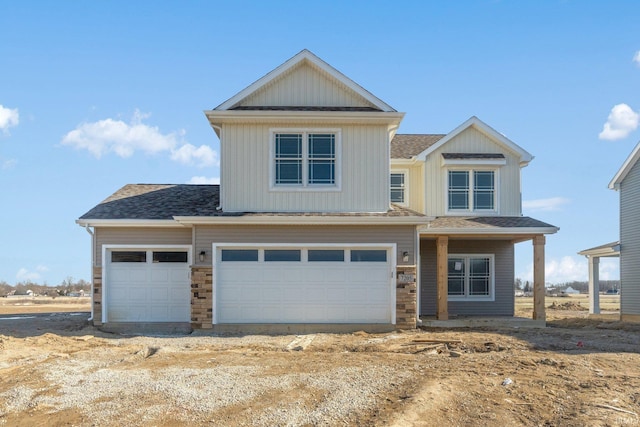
(164, 201)
(406, 146)
(157, 201)
(486, 222)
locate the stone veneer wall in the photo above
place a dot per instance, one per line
(201, 297)
(406, 297)
(97, 296)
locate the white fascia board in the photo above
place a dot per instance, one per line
(403, 162)
(613, 251)
(525, 156)
(302, 220)
(127, 223)
(625, 169)
(269, 116)
(481, 231)
(474, 162)
(304, 55)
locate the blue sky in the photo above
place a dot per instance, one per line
(95, 95)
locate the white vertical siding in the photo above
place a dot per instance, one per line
(306, 85)
(139, 236)
(364, 172)
(630, 242)
(473, 141)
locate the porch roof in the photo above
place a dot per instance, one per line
(607, 250)
(507, 225)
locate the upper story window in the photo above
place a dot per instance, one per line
(398, 188)
(306, 159)
(471, 190)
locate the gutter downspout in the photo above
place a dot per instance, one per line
(93, 255)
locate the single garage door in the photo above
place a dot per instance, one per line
(304, 285)
(148, 286)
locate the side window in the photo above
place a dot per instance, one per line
(239, 255)
(397, 188)
(128, 256)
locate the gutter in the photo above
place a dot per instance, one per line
(93, 255)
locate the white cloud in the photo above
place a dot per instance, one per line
(24, 275)
(123, 139)
(621, 122)
(609, 269)
(204, 180)
(7, 164)
(563, 270)
(190, 154)
(8, 117)
(42, 268)
(545, 205)
(636, 58)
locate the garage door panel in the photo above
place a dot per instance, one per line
(148, 291)
(303, 291)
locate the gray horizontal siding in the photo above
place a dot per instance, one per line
(630, 242)
(504, 277)
(404, 236)
(139, 236)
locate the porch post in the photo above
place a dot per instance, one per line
(442, 310)
(538, 278)
(594, 285)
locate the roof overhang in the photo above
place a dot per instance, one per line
(128, 223)
(302, 220)
(625, 169)
(607, 250)
(506, 231)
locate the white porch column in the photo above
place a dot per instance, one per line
(594, 285)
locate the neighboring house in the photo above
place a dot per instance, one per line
(324, 217)
(627, 182)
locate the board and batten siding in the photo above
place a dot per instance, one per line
(305, 85)
(473, 141)
(139, 236)
(504, 303)
(245, 172)
(630, 242)
(402, 235)
(414, 185)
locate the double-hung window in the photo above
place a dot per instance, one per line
(305, 159)
(398, 188)
(471, 190)
(471, 277)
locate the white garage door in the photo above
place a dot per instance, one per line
(148, 286)
(304, 285)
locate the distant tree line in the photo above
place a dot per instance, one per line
(583, 287)
(67, 287)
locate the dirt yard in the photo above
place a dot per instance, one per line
(55, 370)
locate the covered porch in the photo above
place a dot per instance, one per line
(608, 250)
(450, 243)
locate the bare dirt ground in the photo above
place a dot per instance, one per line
(55, 370)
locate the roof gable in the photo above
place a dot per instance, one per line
(307, 71)
(626, 168)
(488, 131)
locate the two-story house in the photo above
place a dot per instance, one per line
(324, 218)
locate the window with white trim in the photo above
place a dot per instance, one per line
(471, 277)
(398, 188)
(471, 190)
(305, 159)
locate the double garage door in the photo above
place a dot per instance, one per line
(328, 284)
(147, 285)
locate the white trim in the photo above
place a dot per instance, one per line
(525, 156)
(217, 117)
(127, 223)
(626, 167)
(472, 210)
(392, 249)
(301, 219)
(304, 55)
(405, 173)
(105, 265)
(474, 162)
(492, 276)
(305, 186)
